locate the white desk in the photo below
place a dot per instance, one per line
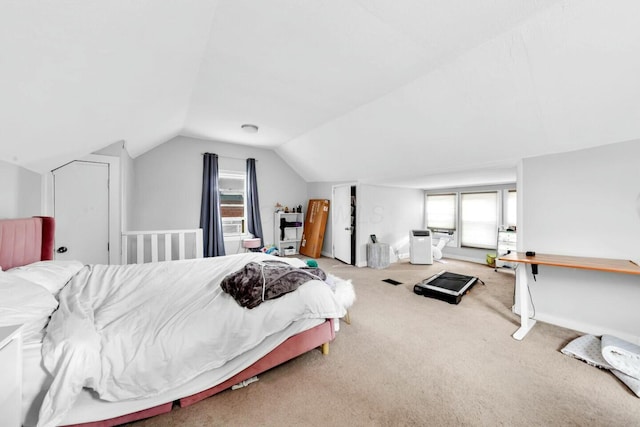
(10, 376)
(585, 263)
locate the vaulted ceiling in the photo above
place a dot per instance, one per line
(401, 92)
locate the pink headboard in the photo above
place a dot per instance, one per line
(26, 240)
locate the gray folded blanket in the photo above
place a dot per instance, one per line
(261, 281)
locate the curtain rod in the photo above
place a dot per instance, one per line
(231, 157)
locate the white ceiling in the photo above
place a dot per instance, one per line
(422, 93)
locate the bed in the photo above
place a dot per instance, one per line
(106, 358)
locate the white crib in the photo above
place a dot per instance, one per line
(161, 245)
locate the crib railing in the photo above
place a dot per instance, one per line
(162, 245)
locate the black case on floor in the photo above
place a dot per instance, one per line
(445, 286)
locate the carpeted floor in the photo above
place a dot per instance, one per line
(410, 360)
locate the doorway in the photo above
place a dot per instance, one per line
(85, 201)
(81, 209)
(344, 223)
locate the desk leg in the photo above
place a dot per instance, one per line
(525, 322)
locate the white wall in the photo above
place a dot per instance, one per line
(389, 213)
(127, 170)
(584, 203)
(119, 150)
(168, 184)
(21, 191)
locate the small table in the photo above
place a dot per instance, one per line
(378, 255)
(585, 263)
(10, 376)
(252, 243)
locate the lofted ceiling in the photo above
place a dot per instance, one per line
(419, 93)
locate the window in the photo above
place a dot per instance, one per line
(511, 217)
(232, 203)
(441, 212)
(479, 219)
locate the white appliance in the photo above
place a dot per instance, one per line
(420, 247)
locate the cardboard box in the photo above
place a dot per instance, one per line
(314, 226)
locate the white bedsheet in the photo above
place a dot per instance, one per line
(139, 330)
(89, 408)
(35, 382)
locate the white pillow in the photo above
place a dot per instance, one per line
(25, 303)
(52, 275)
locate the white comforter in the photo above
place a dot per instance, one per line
(138, 330)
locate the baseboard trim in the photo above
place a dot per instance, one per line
(582, 327)
(464, 258)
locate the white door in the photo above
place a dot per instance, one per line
(342, 229)
(81, 210)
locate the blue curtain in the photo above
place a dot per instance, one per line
(254, 224)
(210, 218)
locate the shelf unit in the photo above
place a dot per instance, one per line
(287, 230)
(506, 245)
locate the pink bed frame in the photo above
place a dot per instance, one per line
(27, 240)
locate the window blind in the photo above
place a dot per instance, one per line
(479, 220)
(441, 211)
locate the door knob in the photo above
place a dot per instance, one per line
(61, 249)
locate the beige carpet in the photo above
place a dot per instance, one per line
(410, 360)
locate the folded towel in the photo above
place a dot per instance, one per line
(587, 348)
(621, 355)
(622, 358)
(632, 383)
